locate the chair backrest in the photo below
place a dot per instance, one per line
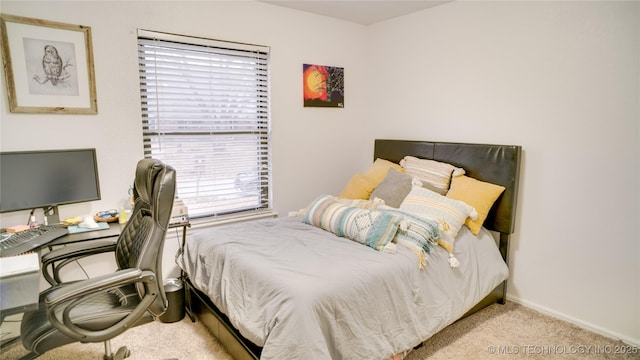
(141, 242)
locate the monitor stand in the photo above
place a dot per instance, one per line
(51, 216)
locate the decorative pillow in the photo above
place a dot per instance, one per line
(450, 212)
(368, 227)
(479, 194)
(378, 170)
(370, 204)
(435, 175)
(358, 187)
(416, 233)
(393, 188)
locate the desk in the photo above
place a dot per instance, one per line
(112, 232)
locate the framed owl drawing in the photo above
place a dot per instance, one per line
(48, 66)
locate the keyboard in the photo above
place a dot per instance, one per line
(27, 240)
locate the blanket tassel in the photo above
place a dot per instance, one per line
(453, 262)
(422, 262)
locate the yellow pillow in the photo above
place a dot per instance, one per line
(358, 187)
(479, 194)
(378, 170)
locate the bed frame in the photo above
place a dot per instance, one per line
(497, 164)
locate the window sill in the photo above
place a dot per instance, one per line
(233, 218)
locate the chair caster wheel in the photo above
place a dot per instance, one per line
(121, 354)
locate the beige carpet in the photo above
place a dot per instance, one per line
(506, 331)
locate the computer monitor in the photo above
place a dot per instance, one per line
(46, 179)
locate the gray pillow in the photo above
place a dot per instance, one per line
(393, 188)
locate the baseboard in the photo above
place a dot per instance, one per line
(580, 323)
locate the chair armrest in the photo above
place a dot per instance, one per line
(85, 247)
(71, 253)
(90, 286)
(61, 301)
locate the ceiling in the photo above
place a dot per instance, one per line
(363, 12)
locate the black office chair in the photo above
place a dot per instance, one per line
(100, 308)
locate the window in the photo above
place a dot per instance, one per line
(205, 111)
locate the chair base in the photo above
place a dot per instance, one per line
(30, 356)
(122, 353)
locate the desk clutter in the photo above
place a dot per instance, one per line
(107, 216)
(87, 222)
(74, 229)
(19, 239)
(17, 228)
(96, 222)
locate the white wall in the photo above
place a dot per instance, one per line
(562, 79)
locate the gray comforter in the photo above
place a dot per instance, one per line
(303, 293)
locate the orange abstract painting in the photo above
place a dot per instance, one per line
(323, 86)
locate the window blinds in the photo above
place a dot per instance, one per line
(205, 111)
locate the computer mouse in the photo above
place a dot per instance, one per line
(89, 223)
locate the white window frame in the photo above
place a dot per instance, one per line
(206, 112)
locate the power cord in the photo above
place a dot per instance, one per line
(30, 216)
(77, 261)
(180, 248)
(81, 268)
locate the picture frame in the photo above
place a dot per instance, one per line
(48, 66)
(322, 86)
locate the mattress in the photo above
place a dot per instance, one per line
(298, 291)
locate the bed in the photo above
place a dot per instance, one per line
(295, 287)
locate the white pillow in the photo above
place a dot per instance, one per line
(450, 212)
(435, 175)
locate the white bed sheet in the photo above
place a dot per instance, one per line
(301, 292)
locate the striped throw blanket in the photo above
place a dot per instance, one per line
(416, 233)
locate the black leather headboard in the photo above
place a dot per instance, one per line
(497, 164)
